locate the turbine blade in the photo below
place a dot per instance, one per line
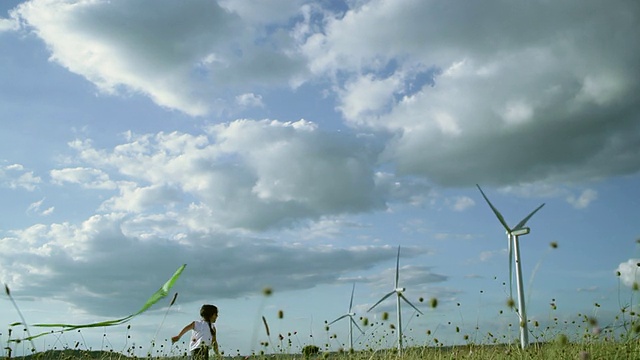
(338, 319)
(409, 302)
(351, 302)
(381, 300)
(524, 221)
(495, 211)
(356, 324)
(397, 268)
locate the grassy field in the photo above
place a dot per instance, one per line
(629, 349)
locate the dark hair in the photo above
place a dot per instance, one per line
(207, 311)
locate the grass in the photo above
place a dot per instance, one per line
(551, 350)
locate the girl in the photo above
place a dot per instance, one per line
(203, 334)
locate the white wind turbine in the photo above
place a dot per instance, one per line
(513, 246)
(398, 291)
(352, 322)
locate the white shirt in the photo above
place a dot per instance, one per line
(201, 335)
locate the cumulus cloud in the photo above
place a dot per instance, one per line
(460, 203)
(630, 272)
(15, 176)
(8, 25)
(35, 208)
(465, 99)
(249, 100)
(197, 47)
(448, 94)
(99, 267)
(585, 198)
(505, 106)
(244, 174)
(85, 177)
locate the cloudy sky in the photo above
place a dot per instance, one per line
(295, 145)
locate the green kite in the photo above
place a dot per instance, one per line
(161, 293)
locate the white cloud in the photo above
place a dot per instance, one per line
(261, 12)
(86, 177)
(8, 25)
(249, 100)
(508, 106)
(134, 198)
(367, 95)
(517, 112)
(57, 260)
(15, 176)
(468, 99)
(35, 208)
(460, 203)
(164, 54)
(244, 174)
(630, 272)
(583, 201)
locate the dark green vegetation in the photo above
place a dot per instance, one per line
(551, 350)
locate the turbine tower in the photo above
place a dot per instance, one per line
(352, 322)
(398, 291)
(513, 246)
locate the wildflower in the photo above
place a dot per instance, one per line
(433, 302)
(562, 339)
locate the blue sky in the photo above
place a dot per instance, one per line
(296, 144)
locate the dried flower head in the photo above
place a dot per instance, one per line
(433, 302)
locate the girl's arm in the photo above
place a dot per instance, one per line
(183, 331)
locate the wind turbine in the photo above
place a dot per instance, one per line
(512, 236)
(398, 291)
(352, 322)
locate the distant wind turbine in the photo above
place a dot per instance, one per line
(513, 245)
(398, 291)
(352, 322)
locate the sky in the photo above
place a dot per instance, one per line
(294, 145)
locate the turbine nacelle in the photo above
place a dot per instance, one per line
(521, 231)
(400, 290)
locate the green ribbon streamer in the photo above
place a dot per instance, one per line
(161, 293)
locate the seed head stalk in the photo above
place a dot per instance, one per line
(24, 322)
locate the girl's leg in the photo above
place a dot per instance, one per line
(200, 354)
